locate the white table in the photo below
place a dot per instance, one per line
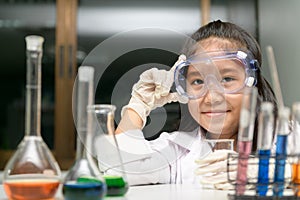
(164, 192)
(174, 192)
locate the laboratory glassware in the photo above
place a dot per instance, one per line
(281, 150)
(274, 76)
(220, 144)
(32, 172)
(296, 147)
(108, 153)
(245, 137)
(264, 143)
(84, 180)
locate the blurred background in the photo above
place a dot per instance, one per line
(72, 30)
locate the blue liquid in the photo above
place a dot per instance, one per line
(84, 191)
(263, 172)
(280, 165)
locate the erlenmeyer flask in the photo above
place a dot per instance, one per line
(108, 153)
(83, 180)
(32, 172)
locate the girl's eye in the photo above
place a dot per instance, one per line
(197, 82)
(227, 79)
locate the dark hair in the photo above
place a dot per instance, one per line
(241, 39)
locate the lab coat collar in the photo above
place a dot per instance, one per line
(186, 139)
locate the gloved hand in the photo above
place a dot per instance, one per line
(153, 90)
(213, 169)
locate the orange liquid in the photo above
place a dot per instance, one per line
(31, 189)
(296, 178)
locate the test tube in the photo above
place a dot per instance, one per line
(264, 142)
(245, 137)
(281, 150)
(296, 148)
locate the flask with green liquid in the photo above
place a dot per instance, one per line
(108, 153)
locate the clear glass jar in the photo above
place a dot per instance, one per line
(105, 147)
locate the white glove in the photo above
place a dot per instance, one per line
(153, 90)
(213, 169)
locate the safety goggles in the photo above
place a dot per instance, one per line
(224, 71)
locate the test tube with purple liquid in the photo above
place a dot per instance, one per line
(245, 137)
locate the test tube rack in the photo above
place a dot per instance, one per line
(291, 189)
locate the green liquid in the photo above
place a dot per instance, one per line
(116, 186)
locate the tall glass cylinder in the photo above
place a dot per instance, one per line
(83, 180)
(32, 172)
(283, 131)
(264, 143)
(245, 137)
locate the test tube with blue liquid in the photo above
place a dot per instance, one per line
(281, 150)
(264, 143)
(245, 137)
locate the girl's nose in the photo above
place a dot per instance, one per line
(214, 90)
(213, 97)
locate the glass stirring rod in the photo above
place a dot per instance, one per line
(245, 137)
(281, 150)
(264, 143)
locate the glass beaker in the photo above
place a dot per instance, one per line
(220, 144)
(32, 172)
(84, 180)
(108, 153)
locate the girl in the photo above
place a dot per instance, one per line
(223, 60)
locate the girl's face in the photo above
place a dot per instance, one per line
(216, 111)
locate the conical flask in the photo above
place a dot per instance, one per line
(106, 148)
(32, 172)
(83, 180)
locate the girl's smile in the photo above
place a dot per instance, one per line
(214, 113)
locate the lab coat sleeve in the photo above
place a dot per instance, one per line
(143, 163)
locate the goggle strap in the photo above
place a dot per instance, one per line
(254, 65)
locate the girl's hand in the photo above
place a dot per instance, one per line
(152, 91)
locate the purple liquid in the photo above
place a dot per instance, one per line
(244, 148)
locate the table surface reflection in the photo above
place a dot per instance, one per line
(160, 191)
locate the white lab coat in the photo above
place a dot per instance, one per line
(167, 159)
